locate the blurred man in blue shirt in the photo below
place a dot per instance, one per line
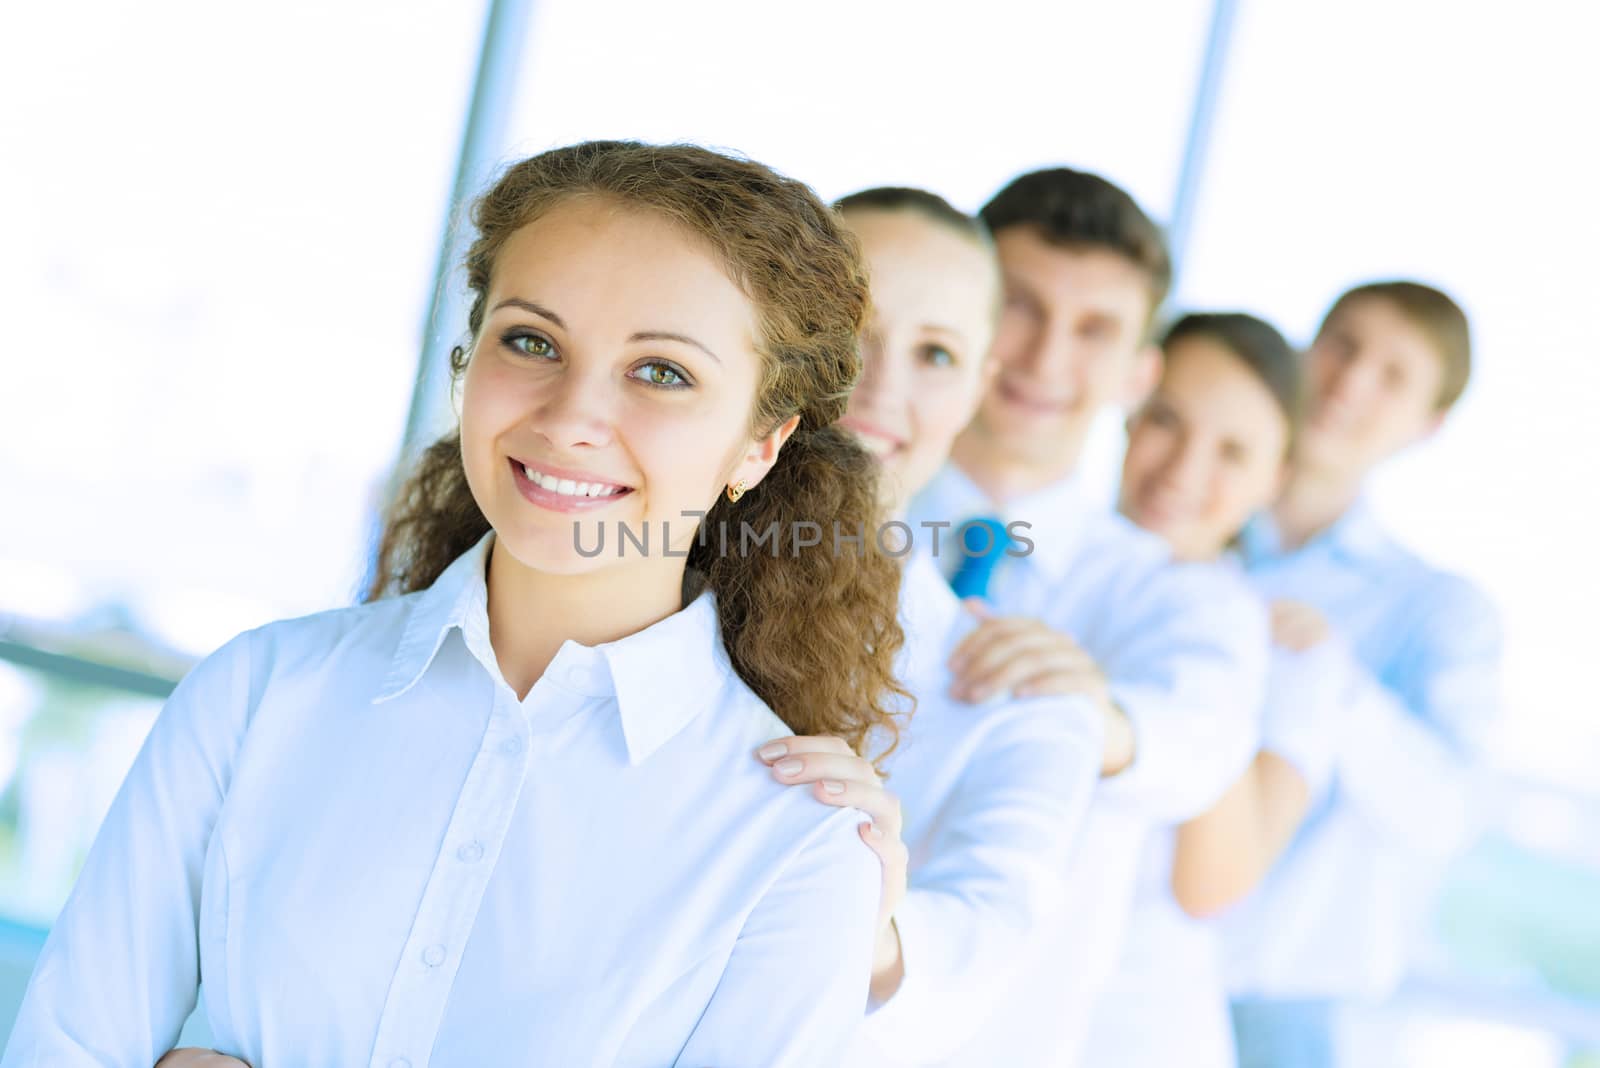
(1422, 648)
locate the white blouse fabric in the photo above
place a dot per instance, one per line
(369, 852)
(1184, 649)
(995, 799)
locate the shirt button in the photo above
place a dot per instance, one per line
(470, 852)
(512, 745)
(399, 1062)
(433, 956)
(574, 677)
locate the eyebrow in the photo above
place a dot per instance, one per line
(643, 335)
(683, 339)
(529, 306)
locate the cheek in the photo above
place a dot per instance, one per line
(942, 402)
(1242, 491)
(685, 453)
(1142, 460)
(1012, 336)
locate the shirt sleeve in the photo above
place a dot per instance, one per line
(1303, 718)
(119, 972)
(1409, 752)
(795, 986)
(1190, 675)
(995, 865)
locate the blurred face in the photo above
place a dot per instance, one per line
(612, 382)
(1070, 342)
(1205, 452)
(933, 298)
(1373, 379)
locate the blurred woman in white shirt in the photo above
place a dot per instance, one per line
(1207, 450)
(509, 816)
(994, 796)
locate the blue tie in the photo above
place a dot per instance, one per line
(986, 540)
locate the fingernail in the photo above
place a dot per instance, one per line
(833, 787)
(789, 767)
(772, 750)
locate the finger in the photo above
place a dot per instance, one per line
(814, 767)
(990, 630)
(818, 743)
(1066, 683)
(878, 803)
(978, 607)
(892, 854)
(1031, 664)
(989, 663)
(981, 644)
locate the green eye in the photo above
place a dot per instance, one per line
(662, 374)
(532, 345)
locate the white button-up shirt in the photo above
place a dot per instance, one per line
(1170, 969)
(349, 829)
(1421, 651)
(995, 798)
(1184, 648)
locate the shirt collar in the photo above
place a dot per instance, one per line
(1057, 515)
(929, 611)
(1356, 535)
(666, 675)
(459, 597)
(662, 676)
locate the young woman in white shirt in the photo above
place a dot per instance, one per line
(1206, 451)
(994, 797)
(509, 816)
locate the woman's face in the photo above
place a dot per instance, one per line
(611, 383)
(1205, 451)
(934, 294)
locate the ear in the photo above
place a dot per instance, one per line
(1142, 376)
(1432, 425)
(763, 454)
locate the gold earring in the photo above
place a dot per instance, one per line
(735, 492)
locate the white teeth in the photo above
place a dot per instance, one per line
(568, 487)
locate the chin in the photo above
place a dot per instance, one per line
(552, 547)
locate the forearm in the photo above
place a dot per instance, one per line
(1223, 854)
(194, 1057)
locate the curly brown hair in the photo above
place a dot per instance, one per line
(813, 631)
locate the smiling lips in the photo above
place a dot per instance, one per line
(564, 491)
(1019, 396)
(878, 442)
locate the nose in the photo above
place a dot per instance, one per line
(1352, 380)
(1053, 359)
(577, 409)
(1187, 466)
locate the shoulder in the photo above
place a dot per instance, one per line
(361, 637)
(1111, 540)
(1434, 598)
(797, 836)
(723, 738)
(1218, 592)
(1449, 611)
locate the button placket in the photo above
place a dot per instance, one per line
(454, 893)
